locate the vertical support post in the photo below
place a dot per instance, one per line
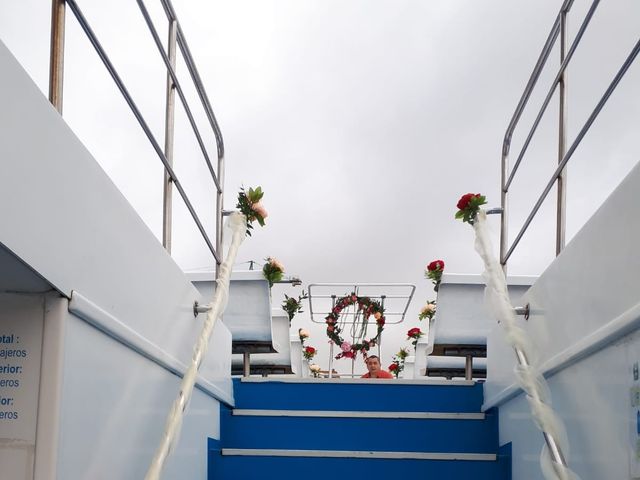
(56, 58)
(333, 304)
(504, 242)
(382, 297)
(167, 209)
(562, 140)
(219, 208)
(246, 364)
(468, 368)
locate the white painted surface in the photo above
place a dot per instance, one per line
(113, 412)
(248, 313)
(586, 297)
(281, 343)
(21, 326)
(62, 216)
(217, 379)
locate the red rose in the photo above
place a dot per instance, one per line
(354, 298)
(393, 367)
(435, 265)
(310, 350)
(465, 199)
(330, 328)
(381, 321)
(413, 332)
(336, 310)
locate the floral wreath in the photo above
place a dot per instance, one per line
(367, 307)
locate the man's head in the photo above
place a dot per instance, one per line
(373, 364)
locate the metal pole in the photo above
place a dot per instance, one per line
(504, 241)
(333, 304)
(562, 141)
(468, 368)
(219, 208)
(168, 140)
(56, 59)
(552, 444)
(246, 364)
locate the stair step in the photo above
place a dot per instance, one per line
(358, 395)
(250, 464)
(358, 414)
(370, 431)
(274, 452)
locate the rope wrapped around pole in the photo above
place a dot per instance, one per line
(238, 224)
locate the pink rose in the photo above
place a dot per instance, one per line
(259, 209)
(346, 346)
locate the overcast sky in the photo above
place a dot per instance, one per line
(364, 121)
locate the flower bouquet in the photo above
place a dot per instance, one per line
(308, 353)
(433, 272)
(303, 334)
(293, 306)
(250, 205)
(272, 271)
(315, 370)
(414, 333)
(397, 365)
(428, 311)
(469, 205)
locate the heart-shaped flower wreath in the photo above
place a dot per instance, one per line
(367, 308)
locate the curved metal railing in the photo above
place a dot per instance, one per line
(559, 29)
(165, 154)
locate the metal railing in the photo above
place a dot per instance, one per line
(176, 40)
(559, 29)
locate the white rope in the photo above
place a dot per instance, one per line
(529, 378)
(238, 225)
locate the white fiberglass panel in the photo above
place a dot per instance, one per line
(590, 284)
(593, 398)
(64, 218)
(114, 406)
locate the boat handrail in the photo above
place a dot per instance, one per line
(176, 39)
(564, 154)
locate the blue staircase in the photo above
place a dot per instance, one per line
(375, 430)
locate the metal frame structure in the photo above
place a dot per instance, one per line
(345, 289)
(559, 29)
(176, 41)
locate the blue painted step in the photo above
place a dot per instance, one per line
(383, 395)
(317, 429)
(228, 467)
(371, 434)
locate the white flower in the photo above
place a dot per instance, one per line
(428, 308)
(314, 368)
(303, 333)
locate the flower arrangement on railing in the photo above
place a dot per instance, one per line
(433, 272)
(272, 270)
(303, 334)
(397, 365)
(529, 377)
(365, 307)
(414, 333)
(292, 305)
(428, 311)
(309, 352)
(315, 370)
(250, 205)
(469, 205)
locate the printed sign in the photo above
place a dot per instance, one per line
(21, 324)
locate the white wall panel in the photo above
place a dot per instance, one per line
(114, 405)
